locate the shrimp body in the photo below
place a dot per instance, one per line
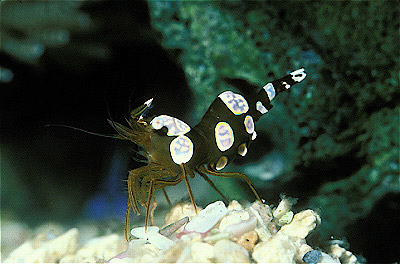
(174, 150)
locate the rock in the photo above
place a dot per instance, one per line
(325, 258)
(312, 257)
(263, 211)
(284, 206)
(216, 237)
(49, 251)
(280, 248)
(302, 224)
(235, 205)
(301, 251)
(146, 253)
(263, 234)
(286, 218)
(345, 256)
(175, 253)
(153, 236)
(13, 235)
(248, 240)
(207, 218)
(98, 250)
(178, 212)
(202, 252)
(230, 252)
(217, 234)
(237, 230)
(237, 223)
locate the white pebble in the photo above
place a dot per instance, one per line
(153, 236)
(278, 249)
(202, 252)
(207, 218)
(229, 252)
(140, 232)
(302, 224)
(284, 206)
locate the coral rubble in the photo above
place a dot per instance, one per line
(217, 234)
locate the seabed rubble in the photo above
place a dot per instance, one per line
(217, 234)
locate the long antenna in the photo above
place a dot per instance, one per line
(111, 120)
(82, 130)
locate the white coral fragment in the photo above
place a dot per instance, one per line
(202, 252)
(216, 234)
(49, 251)
(98, 249)
(286, 218)
(227, 251)
(302, 224)
(207, 218)
(153, 236)
(284, 206)
(278, 249)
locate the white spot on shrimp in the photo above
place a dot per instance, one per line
(224, 136)
(175, 126)
(235, 102)
(261, 108)
(298, 75)
(242, 149)
(287, 86)
(249, 124)
(254, 135)
(181, 149)
(270, 90)
(222, 162)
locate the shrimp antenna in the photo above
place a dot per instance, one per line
(111, 120)
(82, 130)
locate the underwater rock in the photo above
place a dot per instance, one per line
(248, 240)
(180, 211)
(229, 252)
(237, 223)
(207, 218)
(153, 236)
(17, 231)
(218, 233)
(284, 207)
(40, 251)
(202, 252)
(97, 250)
(343, 255)
(302, 224)
(278, 249)
(312, 256)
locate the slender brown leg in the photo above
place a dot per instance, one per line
(166, 197)
(131, 194)
(132, 203)
(128, 222)
(232, 175)
(148, 205)
(155, 204)
(188, 187)
(212, 185)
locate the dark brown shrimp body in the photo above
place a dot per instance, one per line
(174, 150)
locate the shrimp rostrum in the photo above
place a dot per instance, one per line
(175, 151)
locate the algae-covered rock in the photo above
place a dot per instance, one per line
(341, 124)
